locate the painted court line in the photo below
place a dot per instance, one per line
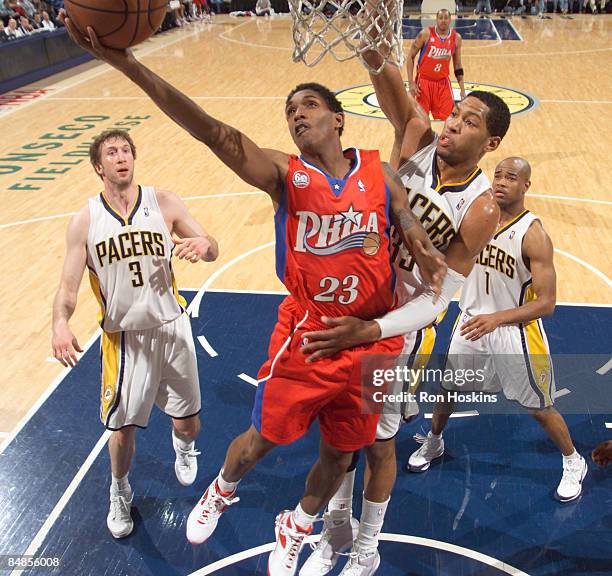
(61, 504)
(401, 538)
(588, 266)
(562, 392)
(248, 379)
(465, 414)
(43, 397)
(608, 424)
(206, 345)
(605, 368)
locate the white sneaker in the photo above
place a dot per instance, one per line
(186, 463)
(570, 487)
(119, 519)
(283, 560)
(337, 536)
(204, 517)
(361, 563)
(432, 448)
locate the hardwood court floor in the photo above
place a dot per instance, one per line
(240, 70)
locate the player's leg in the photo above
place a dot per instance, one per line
(178, 394)
(527, 375)
(292, 526)
(433, 444)
(339, 527)
(242, 455)
(443, 101)
(130, 377)
(424, 95)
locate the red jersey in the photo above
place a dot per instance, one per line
(436, 54)
(332, 239)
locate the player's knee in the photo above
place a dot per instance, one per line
(124, 437)
(380, 453)
(334, 460)
(187, 428)
(255, 447)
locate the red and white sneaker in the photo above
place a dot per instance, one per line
(204, 517)
(283, 560)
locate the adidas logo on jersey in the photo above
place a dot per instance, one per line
(333, 233)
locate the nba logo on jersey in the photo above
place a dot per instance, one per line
(512, 234)
(461, 203)
(300, 179)
(146, 211)
(361, 186)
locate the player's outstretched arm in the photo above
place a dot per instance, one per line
(64, 342)
(411, 125)
(430, 260)
(193, 242)
(538, 252)
(260, 168)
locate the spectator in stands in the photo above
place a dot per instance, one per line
(3, 36)
(25, 26)
(12, 31)
(61, 16)
(264, 8)
(483, 6)
(47, 23)
(37, 22)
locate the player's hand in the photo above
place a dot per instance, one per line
(345, 332)
(65, 346)
(462, 94)
(195, 249)
(602, 455)
(480, 325)
(432, 265)
(414, 89)
(120, 59)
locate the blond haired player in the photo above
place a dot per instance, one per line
(124, 236)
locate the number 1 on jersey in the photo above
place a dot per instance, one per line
(487, 282)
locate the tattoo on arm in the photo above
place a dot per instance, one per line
(406, 219)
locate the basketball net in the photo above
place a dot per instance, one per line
(347, 29)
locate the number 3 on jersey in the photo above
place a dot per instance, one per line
(137, 281)
(330, 284)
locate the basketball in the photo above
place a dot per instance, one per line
(118, 23)
(371, 244)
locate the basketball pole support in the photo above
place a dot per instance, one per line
(432, 6)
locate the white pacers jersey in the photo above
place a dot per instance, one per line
(439, 207)
(500, 279)
(129, 265)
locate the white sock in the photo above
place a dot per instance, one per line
(342, 500)
(120, 485)
(572, 456)
(370, 524)
(182, 445)
(302, 519)
(224, 486)
(435, 436)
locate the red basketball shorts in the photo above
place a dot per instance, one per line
(436, 96)
(291, 393)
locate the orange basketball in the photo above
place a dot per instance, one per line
(371, 244)
(118, 23)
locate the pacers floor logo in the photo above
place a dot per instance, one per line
(362, 101)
